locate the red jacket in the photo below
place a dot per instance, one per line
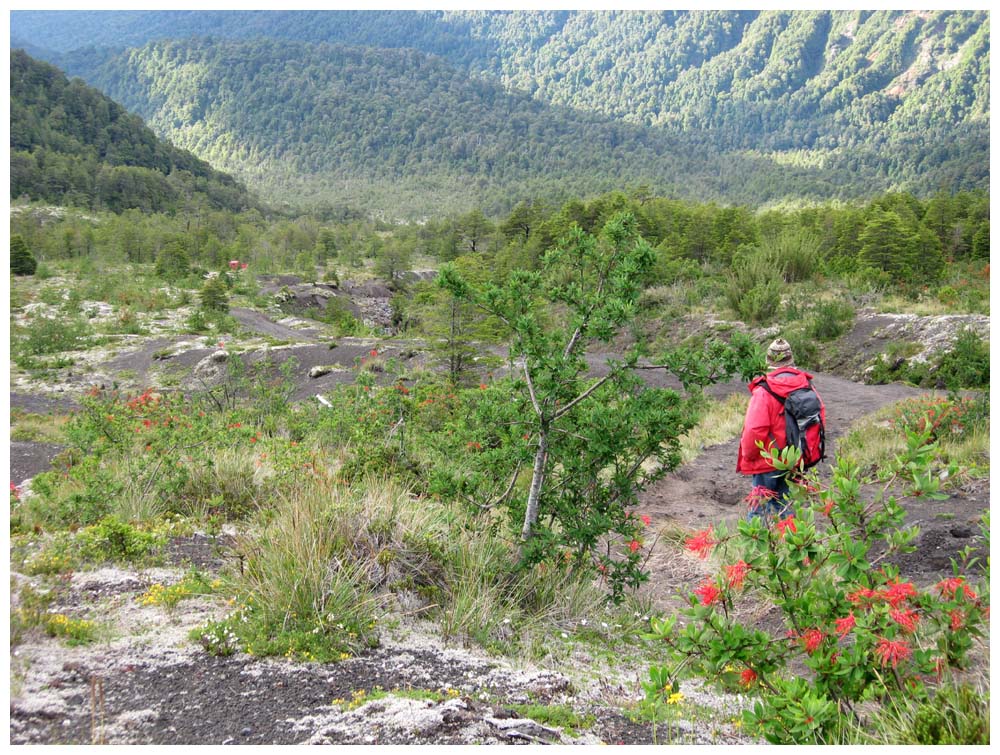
(765, 420)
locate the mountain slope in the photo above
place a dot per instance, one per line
(71, 144)
(384, 127)
(401, 131)
(760, 80)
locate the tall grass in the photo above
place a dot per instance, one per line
(722, 421)
(875, 441)
(331, 560)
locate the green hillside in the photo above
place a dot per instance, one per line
(744, 75)
(410, 112)
(71, 144)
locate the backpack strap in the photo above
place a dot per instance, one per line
(766, 387)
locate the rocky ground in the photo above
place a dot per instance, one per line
(146, 682)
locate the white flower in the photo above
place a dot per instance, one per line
(563, 635)
(583, 622)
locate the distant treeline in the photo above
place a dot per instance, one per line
(898, 236)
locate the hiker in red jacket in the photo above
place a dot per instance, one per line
(765, 422)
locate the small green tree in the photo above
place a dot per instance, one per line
(173, 262)
(391, 261)
(22, 261)
(215, 295)
(597, 441)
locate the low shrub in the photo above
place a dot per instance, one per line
(754, 287)
(830, 320)
(49, 335)
(954, 715)
(864, 634)
(966, 365)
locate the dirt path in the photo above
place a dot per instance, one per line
(253, 320)
(709, 491)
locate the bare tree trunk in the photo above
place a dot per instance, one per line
(534, 493)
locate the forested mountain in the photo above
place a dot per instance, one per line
(738, 106)
(740, 73)
(71, 144)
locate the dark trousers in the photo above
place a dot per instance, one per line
(776, 507)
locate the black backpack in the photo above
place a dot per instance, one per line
(804, 426)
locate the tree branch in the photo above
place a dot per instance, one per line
(582, 397)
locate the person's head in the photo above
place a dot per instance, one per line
(779, 354)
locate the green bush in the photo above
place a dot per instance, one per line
(173, 262)
(754, 287)
(831, 320)
(956, 715)
(50, 335)
(967, 365)
(214, 295)
(114, 540)
(796, 253)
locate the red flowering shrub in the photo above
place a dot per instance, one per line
(935, 416)
(848, 617)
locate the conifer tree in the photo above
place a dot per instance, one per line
(22, 261)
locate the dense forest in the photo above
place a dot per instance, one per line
(432, 110)
(70, 144)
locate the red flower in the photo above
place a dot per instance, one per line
(748, 677)
(701, 543)
(15, 491)
(950, 587)
(812, 639)
(957, 620)
(634, 546)
(906, 619)
(373, 352)
(736, 573)
(243, 265)
(708, 593)
(482, 386)
(845, 624)
(829, 507)
(862, 594)
(757, 495)
(785, 525)
(897, 592)
(253, 439)
(892, 652)
(646, 520)
(473, 446)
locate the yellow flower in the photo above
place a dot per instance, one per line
(675, 698)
